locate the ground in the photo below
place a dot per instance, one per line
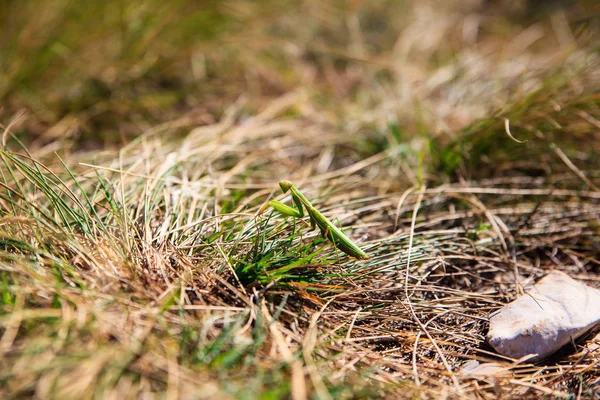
(457, 143)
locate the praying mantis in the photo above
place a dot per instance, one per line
(328, 229)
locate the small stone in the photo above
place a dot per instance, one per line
(554, 312)
(477, 370)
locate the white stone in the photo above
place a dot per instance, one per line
(554, 312)
(477, 370)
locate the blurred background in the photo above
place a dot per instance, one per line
(96, 74)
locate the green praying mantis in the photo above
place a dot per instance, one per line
(328, 229)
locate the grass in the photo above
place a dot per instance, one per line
(140, 142)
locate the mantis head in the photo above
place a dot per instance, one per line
(285, 186)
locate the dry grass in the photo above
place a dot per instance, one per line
(146, 270)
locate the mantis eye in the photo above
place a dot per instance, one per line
(285, 185)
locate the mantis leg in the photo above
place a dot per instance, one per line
(285, 210)
(299, 204)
